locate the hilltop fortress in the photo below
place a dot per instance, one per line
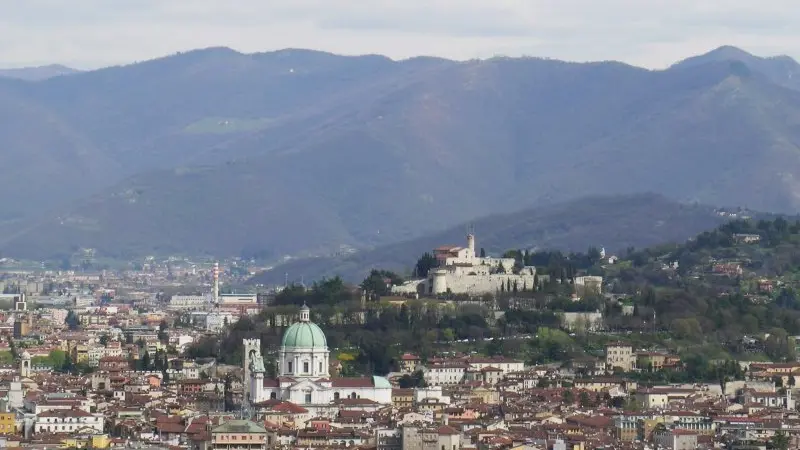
(460, 271)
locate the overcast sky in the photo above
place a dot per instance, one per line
(650, 33)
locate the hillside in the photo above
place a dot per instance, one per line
(299, 152)
(615, 223)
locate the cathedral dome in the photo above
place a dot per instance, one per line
(304, 334)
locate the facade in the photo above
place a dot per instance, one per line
(8, 423)
(620, 356)
(461, 271)
(68, 421)
(239, 435)
(303, 375)
(676, 440)
(189, 302)
(588, 285)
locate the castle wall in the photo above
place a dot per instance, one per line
(486, 284)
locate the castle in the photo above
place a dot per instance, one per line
(461, 271)
(303, 374)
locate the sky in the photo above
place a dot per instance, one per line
(89, 34)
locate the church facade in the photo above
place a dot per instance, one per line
(303, 373)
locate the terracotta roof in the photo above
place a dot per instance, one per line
(363, 382)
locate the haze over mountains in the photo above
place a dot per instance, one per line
(301, 152)
(616, 223)
(38, 73)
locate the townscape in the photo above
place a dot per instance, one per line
(521, 355)
(399, 225)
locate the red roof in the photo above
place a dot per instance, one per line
(363, 382)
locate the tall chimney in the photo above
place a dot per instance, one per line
(215, 292)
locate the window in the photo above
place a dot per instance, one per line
(289, 364)
(308, 397)
(336, 396)
(320, 366)
(273, 395)
(305, 367)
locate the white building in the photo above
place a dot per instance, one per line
(461, 271)
(303, 376)
(188, 302)
(68, 421)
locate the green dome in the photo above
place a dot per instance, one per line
(304, 334)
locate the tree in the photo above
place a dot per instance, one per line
(424, 264)
(145, 361)
(162, 331)
(57, 358)
(379, 283)
(68, 366)
(103, 340)
(593, 255)
(494, 347)
(72, 321)
(228, 394)
(483, 252)
(780, 441)
(414, 380)
(568, 397)
(584, 400)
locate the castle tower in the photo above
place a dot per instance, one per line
(471, 245)
(439, 281)
(25, 365)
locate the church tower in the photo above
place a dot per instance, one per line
(25, 365)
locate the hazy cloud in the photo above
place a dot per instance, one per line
(652, 33)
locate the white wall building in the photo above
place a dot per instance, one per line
(69, 421)
(461, 271)
(189, 302)
(303, 376)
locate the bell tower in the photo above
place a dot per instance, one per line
(25, 365)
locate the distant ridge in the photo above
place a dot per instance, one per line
(612, 222)
(780, 69)
(38, 73)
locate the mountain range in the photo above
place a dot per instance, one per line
(297, 152)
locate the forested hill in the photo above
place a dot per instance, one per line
(727, 294)
(737, 280)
